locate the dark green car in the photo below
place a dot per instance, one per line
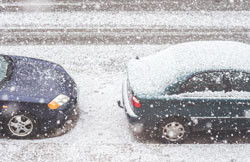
(196, 86)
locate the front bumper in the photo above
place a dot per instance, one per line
(58, 119)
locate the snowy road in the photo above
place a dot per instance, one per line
(122, 27)
(122, 5)
(114, 20)
(119, 36)
(102, 134)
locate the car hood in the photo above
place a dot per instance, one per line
(36, 80)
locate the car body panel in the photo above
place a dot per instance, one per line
(203, 114)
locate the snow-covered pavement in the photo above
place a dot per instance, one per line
(114, 27)
(102, 133)
(123, 5)
(176, 20)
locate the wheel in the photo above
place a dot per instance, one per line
(174, 130)
(20, 125)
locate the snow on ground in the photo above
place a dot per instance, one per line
(102, 133)
(178, 20)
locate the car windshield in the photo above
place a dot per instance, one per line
(3, 68)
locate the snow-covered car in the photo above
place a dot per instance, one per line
(194, 86)
(36, 96)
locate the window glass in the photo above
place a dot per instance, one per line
(3, 67)
(209, 81)
(240, 81)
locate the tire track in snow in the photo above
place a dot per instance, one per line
(118, 36)
(122, 27)
(122, 5)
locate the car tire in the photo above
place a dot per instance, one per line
(20, 125)
(173, 130)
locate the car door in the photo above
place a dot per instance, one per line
(201, 95)
(240, 100)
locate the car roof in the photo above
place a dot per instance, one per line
(152, 74)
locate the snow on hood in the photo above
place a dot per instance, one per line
(34, 79)
(152, 74)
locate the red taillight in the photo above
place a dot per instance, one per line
(135, 101)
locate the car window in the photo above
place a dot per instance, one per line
(240, 81)
(208, 81)
(3, 68)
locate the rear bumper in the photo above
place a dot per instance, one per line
(128, 108)
(133, 118)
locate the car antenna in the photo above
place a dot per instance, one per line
(137, 58)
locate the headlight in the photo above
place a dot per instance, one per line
(58, 101)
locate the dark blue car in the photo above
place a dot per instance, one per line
(36, 96)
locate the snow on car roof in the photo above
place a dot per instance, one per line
(152, 74)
